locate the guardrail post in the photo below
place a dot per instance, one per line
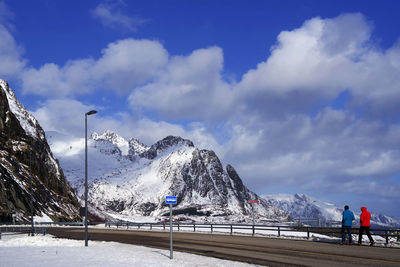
(179, 227)
(308, 233)
(151, 226)
(138, 226)
(211, 228)
(194, 227)
(127, 225)
(0, 235)
(253, 229)
(279, 231)
(231, 229)
(387, 237)
(164, 225)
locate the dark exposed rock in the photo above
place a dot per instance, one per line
(136, 148)
(107, 147)
(116, 205)
(189, 212)
(164, 144)
(23, 155)
(147, 208)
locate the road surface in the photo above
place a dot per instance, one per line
(256, 250)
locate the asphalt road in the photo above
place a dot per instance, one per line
(256, 250)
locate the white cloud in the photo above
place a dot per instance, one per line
(128, 63)
(11, 62)
(6, 16)
(275, 139)
(110, 14)
(189, 87)
(330, 148)
(324, 57)
(66, 117)
(123, 65)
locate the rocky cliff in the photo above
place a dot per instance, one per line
(24, 153)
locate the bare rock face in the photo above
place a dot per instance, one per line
(24, 153)
(165, 144)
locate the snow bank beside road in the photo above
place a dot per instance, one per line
(43, 251)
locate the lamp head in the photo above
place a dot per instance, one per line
(91, 112)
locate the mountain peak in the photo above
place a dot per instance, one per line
(113, 138)
(26, 119)
(108, 135)
(165, 144)
(136, 147)
(174, 141)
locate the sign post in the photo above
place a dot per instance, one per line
(252, 206)
(170, 200)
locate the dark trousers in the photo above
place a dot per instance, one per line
(360, 234)
(348, 230)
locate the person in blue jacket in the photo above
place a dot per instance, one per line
(347, 221)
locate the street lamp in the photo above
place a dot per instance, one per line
(86, 183)
(31, 192)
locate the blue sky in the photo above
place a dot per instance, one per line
(299, 96)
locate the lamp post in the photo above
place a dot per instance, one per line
(86, 183)
(31, 193)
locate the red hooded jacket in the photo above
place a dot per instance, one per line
(365, 217)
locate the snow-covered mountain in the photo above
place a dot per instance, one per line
(23, 144)
(128, 178)
(301, 206)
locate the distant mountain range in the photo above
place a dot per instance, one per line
(300, 206)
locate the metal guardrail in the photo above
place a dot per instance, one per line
(47, 223)
(22, 229)
(213, 227)
(62, 223)
(279, 229)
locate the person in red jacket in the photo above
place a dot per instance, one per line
(365, 219)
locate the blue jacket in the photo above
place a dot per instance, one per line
(348, 218)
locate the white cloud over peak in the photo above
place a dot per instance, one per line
(66, 116)
(12, 61)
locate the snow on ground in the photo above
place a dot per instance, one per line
(43, 218)
(22, 250)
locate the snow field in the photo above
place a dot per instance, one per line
(43, 251)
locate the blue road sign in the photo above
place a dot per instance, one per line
(170, 200)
